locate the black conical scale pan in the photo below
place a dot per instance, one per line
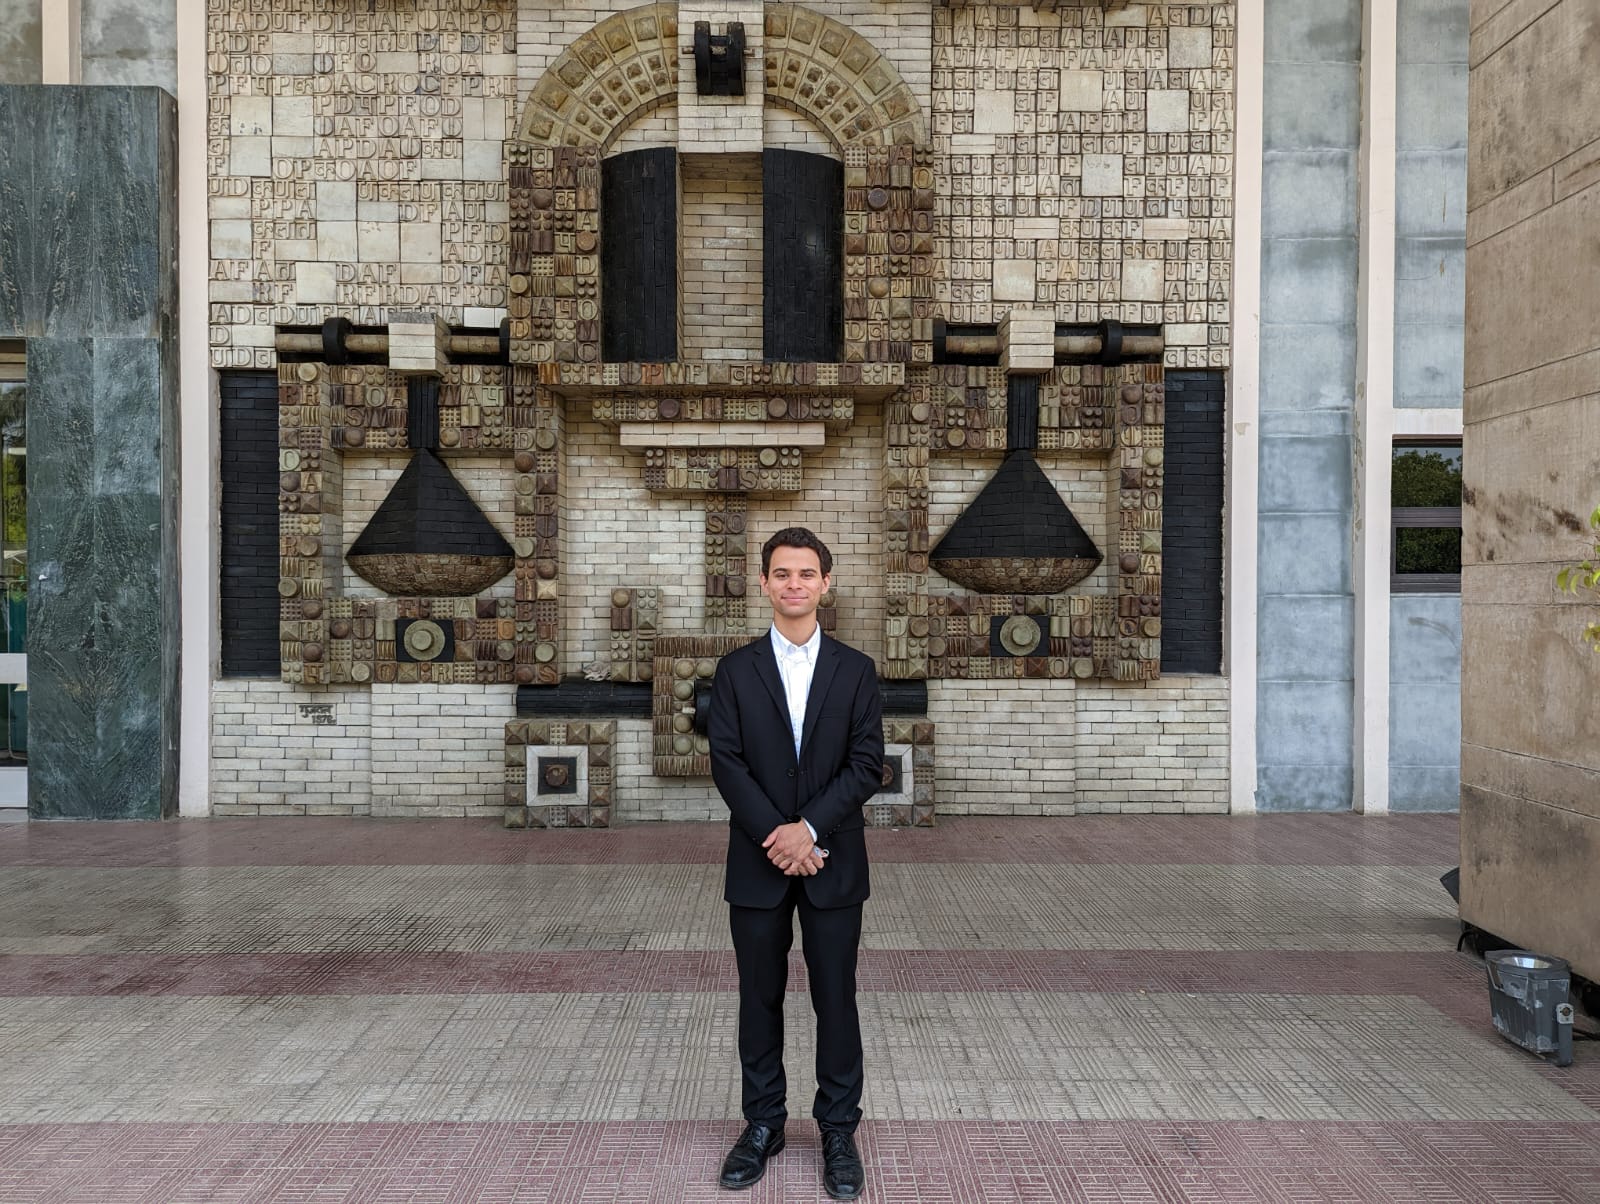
(1018, 536)
(428, 538)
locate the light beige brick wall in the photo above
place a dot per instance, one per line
(901, 29)
(619, 533)
(656, 129)
(368, 478)
(720, 238)
(1153, 746)
(1065, 748)
(439, 750)
(1084, 483)
(843, 503)
(355, 163)
(643, 797)
(1085, 162)
(1003, 747)
(784, 129)
(278, 749)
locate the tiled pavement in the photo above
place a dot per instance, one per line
(1090, 1009)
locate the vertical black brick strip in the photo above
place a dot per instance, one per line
(1022, 413)
(802, 256)
(249, 587)
(422, 412)
(639, 256)
(1191, 530)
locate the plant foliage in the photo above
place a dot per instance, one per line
(1585, 576)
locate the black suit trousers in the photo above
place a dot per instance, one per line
(830, 939)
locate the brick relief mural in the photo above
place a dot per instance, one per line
(1034, 228)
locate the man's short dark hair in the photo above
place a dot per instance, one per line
(796, 537)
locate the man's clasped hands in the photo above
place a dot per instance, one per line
(791, 848)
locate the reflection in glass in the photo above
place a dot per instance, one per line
(1427, 550)
(14, 548)
(1426, 476)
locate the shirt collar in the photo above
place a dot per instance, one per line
(782, 647)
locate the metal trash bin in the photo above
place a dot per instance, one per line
(1528, 997)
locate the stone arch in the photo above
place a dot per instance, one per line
(821, 68)
(627, 65)
(611, 76)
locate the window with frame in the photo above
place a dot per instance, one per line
(1425, 517)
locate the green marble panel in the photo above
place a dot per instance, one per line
(88, 278)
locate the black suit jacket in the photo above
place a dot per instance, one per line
(754, 765)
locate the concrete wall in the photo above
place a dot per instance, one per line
(1424, 702)
(1530, 732)
(1430, 201)
(130, 42)
(1308, 339)
(21, 47)
(1430, 301)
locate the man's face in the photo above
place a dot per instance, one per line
(794, 582)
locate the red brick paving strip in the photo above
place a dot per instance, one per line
(1442, 976)
(1344, 839)
(956, 1162)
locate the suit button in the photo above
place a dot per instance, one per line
(791, 773)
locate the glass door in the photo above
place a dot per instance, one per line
(13, 578)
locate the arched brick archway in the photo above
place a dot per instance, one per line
(611, 76)
(821, 68)
(627, 65)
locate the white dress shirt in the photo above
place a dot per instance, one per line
(797, 663)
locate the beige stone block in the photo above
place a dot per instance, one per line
(418, 343)
(250, 116)
(337, 241)
(1014, 280)
(250, 156)
(1166, 229)
(379, 241)
(723, 434)
(481, 317)
(1141, 279)
(420, 242)
(1102, 175)
(482, 160)
(229, 208)
(230, 240)
(1167, 111)
(1189, 46)
(336, 201)
(314, 284)
(994, 112)
(378, 210)
(1083, 91)
(1028, 339)
(972, 144)
(291, 116)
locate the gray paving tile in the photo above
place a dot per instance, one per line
(670, 1056)
(679, 907)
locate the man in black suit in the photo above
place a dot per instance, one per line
(796, 735)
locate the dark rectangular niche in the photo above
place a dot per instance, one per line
(1191, 528)
(639, 256)
(802, 256)
(249, 568)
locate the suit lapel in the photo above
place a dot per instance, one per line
(767, 671)
(821, 679)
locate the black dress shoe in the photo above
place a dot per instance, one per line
(842, 1172)
(747, 1161)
